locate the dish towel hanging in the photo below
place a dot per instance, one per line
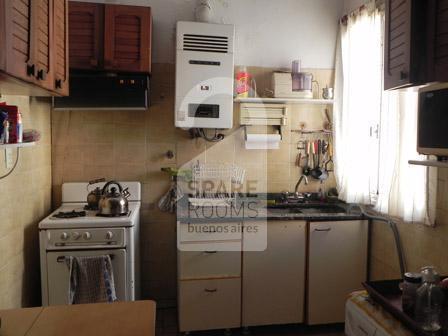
(91, 279)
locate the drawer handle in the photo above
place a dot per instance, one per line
(323, 230)
(210, 290)
(210, 252)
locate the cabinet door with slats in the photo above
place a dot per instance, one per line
(42, 42)
(16, 52)
(85, 35)
(127, 38)
(438, 40)
(397, 46)
(60, 46)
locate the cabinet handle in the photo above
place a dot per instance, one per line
(323, 230)
(30, 69)
(210, 252)
(210, 290)
(58, 83)
(403, 75)
(41, 74)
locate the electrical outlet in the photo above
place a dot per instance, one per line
(9, 160)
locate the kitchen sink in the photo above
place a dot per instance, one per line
(306, 209)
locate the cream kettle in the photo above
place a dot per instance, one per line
(113, 201)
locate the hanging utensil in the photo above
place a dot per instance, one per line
(316, 172)
(329, 165)
(306, 168)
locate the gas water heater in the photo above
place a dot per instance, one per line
(204, 75)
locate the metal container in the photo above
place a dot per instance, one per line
(113, 202)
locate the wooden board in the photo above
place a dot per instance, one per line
(17, 322)
(104, 319)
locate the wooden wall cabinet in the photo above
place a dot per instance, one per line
(438, 40)
(85, 34)
(33, 47)
(128, 43)
(405, 59)
(416, 43)
(110, 37)
(60, 47)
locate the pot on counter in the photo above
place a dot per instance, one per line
(113, 201)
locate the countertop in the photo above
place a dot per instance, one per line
(102, 319)
(255, 208)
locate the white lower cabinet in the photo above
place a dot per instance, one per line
(304, 276)
(209, 276)
(209, 304)
(337, 265)
(274, 280)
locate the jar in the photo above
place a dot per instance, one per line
(412, 282)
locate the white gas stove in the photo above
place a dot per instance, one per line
(71, 230)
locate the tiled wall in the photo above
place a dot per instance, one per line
(422, 245)
(127, 145)
(25, 197)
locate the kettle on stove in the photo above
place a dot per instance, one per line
(113, 201)
(93, 198)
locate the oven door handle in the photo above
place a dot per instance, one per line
(62, 259)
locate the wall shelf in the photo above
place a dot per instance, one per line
(429, 163)
(285, 101)
(17, 145)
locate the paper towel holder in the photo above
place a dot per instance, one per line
(279, 131)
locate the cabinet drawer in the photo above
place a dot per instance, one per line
(209, 264)
(209, 304)
(209, 232)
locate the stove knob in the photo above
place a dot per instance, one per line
(87, 235)
(64, 236)
(76, 235)
(109, 235)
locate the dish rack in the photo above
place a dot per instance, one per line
(213, 183)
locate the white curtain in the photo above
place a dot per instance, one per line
(404, 189)
(357, 106)
(372, 167)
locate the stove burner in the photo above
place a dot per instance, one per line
(70, 214)
(112, 216)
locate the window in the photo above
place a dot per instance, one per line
(375, 130)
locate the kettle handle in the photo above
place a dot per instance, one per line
(120, 188)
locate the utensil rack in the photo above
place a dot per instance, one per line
(325, 132)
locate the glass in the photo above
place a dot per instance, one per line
(429, 301)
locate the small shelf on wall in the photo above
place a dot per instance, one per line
(285, 101)
(429, 163)
(17, 145)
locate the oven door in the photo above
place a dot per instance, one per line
(59, 276)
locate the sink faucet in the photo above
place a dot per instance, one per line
(296, 189)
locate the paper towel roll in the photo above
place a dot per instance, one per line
(263, 141)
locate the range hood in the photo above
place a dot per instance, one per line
(105, 91)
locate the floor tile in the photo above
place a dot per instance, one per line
(167, 326)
